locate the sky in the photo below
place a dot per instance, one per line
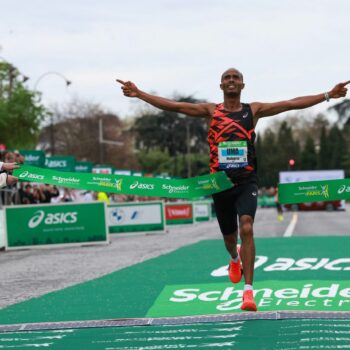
(284, 48)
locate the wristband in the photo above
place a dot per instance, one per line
(326, 96)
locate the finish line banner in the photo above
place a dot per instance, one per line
(314, 191)
(134, 185)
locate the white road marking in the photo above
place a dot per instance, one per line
(290, 229)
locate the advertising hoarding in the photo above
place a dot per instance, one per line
(55, 224)
(136, 217)
(179, 213)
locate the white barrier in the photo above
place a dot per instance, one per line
(136, 217)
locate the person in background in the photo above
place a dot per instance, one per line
(68, 195)
(6, 179)
(38, 195)
(102, 196)
(278, 207)
(49, 192)
(27, 196)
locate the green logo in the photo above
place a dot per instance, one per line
(118, 184)
(216, 298)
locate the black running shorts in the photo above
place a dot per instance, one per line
(237, 201)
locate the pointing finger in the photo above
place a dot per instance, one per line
(121, 81)
(345, 83)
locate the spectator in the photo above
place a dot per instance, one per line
(102, 196)
(49, 192)
(28, 197)
(68, 195)
(5, 178)
(38, 195)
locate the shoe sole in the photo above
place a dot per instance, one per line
(249, 307)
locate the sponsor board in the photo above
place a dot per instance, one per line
(33, 157)
(62, 163)
(102, 170)
(55, 224)
(133, 185)
(217, 298)
(136, 217)
(176, 214)
(202, 211)
(315, 191)
(83, 167)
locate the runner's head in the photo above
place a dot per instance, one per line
(232, 82)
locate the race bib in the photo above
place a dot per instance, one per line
(233, 154)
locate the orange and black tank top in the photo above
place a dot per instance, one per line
(231, 139)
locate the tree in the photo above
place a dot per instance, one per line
(324, 151)
(182, 138)
(20, 110)
(308, 155)
(287, 147)
(267, 157)
(343, 110)
(74, 130)
(337, 147)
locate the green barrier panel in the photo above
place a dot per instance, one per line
(83, 167)
(55, 224)
(33, 157)
(314, 191)
(61, 163)
(140, 186)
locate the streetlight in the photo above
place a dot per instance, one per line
(68, 82)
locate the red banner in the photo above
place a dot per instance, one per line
(178, 212)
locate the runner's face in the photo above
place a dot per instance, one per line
(231, 82)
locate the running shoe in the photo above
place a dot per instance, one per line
(248, 301)
(235, 269)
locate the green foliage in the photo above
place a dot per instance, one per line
(158, 162)
(182, 139)
(20, 112)
(308, 159)
(329, 151)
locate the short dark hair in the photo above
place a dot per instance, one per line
(239, 72)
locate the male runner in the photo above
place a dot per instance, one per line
(231, 140)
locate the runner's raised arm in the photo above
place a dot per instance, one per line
(261, 110)
(203, 110)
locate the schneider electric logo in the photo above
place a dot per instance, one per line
(52, 218)
(26, 174)
(141, 186)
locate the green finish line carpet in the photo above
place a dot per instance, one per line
(298, 273)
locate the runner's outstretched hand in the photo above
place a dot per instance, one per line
(339, 90)
(129, 88)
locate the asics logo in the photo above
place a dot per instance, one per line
(28, 175)
(141, 186)
(52, 218)
(36, 219)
